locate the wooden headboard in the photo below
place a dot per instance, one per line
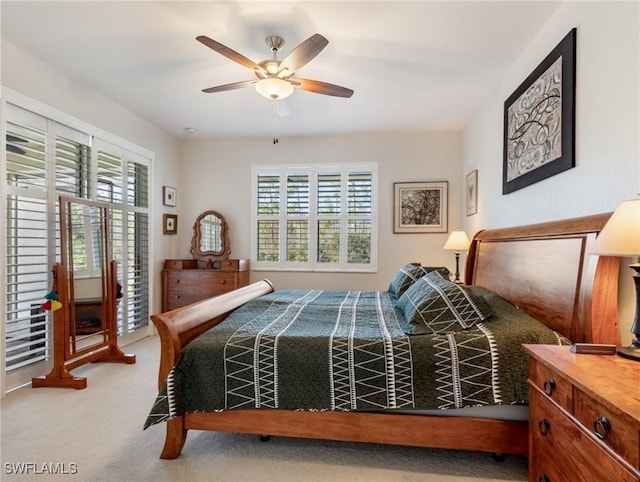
(546, 270)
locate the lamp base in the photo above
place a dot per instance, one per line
(632, 351)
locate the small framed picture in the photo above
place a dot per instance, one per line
(420, 207)
(472, 193)
(169, 224)
(169, 195)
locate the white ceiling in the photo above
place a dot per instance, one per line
(414, 66)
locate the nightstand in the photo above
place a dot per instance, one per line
(584, 416)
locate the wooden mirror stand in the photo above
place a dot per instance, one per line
(85, 234)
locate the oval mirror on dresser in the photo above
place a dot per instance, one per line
(210, 240)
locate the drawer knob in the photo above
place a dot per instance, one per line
(549, 386)
(544, 478)
(602, 427)
(223, 281)
(544, 425)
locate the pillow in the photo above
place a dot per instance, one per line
(408, 274)
(436, 305)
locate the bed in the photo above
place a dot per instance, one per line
(541, 271)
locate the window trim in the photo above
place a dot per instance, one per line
(282, 171)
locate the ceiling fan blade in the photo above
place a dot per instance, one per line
(304, 52)
(233, 86)
(322, 87)
(227, 52)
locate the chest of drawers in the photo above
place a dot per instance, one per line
(584, 418)
(184, 283)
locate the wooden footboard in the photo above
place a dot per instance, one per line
(178, 327)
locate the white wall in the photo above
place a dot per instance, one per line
(607, 128)
(33, 78)
(217, 175)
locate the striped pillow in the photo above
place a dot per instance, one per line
(436, 305)
(408, 274)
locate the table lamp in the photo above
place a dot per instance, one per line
(621, 237)
(458, 241)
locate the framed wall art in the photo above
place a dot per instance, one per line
(471, 193)
(169, 196)
(420, 207)
(169, 224)
(539, 120)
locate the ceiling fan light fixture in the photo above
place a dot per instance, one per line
(274, 88)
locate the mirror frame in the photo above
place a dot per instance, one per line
(209, 256)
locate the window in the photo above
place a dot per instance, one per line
(45, 159)
(315, 218)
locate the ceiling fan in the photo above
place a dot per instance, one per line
(275, 79)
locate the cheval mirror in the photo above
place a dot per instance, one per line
(85, 284)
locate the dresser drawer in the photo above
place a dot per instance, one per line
(177, 298)
(551, 385)
(584, 459)
(180, 264)
(198, 279)
(614, 429)
(233, 264)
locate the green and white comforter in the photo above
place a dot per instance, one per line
(347, 350)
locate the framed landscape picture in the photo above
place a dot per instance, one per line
(420, 207)
(539, 120)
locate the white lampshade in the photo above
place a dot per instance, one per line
(621, 235)
(274, 88)
(458, 241)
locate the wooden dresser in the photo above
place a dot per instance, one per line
(183, 282)
(584, 419)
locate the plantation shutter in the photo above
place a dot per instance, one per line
(297, 218)
(27, 260)
(136, 282)
(329, 217)
(268, 213)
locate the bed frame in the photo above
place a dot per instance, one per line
(545, 269)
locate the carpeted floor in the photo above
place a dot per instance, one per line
(96, 435)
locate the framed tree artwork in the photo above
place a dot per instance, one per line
(420, 207)
(539, 120)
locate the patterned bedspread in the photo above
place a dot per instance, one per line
(346, 350)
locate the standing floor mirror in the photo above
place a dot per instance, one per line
(85, 283)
